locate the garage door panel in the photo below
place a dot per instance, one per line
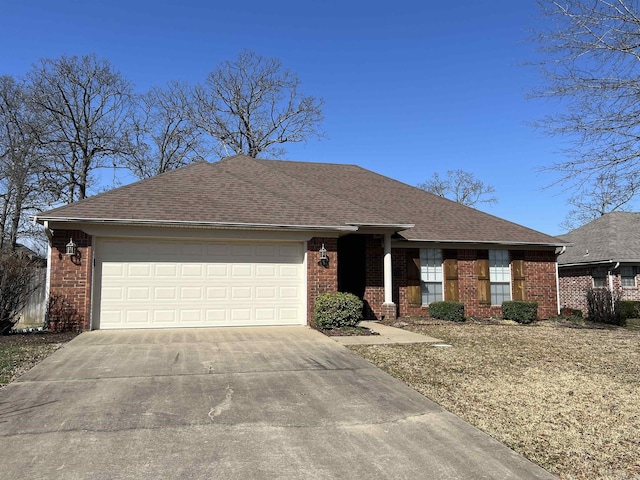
(165, 284)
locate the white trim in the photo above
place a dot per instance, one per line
(193, 224)
(388, 271)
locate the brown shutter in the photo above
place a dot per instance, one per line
(414, 293)
(517, 267)
(484, 282)
(451, 279)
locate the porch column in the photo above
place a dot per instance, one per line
(388, 274)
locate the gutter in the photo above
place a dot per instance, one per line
(192, 224)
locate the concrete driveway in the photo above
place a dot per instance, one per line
(245, 403)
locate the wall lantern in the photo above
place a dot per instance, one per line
(324, 258)
(72, 248)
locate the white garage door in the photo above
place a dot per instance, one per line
(155, 284)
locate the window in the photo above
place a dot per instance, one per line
(628, 276)
(431, 275)
(500, 276)
(599, 275)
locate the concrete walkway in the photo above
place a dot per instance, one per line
(386, 335)
(232, 403)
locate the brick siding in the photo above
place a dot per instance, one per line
(540, 284)
(320, 279)
(70, 287)
(575, 281)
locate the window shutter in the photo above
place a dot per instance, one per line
(414, 292)
(484, 282)
(451, 279)
(517, 267)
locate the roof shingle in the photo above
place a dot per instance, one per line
(613, 237)
(244, 190)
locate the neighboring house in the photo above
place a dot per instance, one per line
(254, 242)
(604, 253)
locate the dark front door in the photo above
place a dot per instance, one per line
(351, 264)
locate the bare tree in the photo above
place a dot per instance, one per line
(460, 186)
(20, 162)
(252, 105)
(607, 194)
(88, 109)
(165, 135)
(591, 54)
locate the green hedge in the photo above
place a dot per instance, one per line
(447, 310)
(519, 311)
(335, 310)
(629, 309)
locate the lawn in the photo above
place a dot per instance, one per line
(566, 397)
(18, 353)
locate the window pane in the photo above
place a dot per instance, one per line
(499, 266)
(431, 264)
(628, 276)
(599, 275)
(500, 292)
(431, 292)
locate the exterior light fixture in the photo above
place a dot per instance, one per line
(72, 248)
(324, 258)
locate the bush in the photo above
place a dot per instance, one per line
(629, 309)
(16, 285)
(447, 310)
(603, 306)
(336, 310)
(519, 311)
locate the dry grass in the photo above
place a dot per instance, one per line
(566, 398)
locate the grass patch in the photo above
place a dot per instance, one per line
(564, 397)
(19, 353)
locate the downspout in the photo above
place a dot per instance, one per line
(558, 308)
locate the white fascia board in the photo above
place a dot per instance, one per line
(191, 224)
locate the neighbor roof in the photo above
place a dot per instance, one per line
(613, 237)
(240, 190)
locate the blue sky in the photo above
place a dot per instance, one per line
(410, 87)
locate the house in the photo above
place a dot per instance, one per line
(604, 253)
(253, 242)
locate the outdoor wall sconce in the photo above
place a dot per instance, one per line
(72, 248)
(324, 258)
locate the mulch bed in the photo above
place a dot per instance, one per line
(37, 338)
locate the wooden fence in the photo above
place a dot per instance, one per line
(34, 312)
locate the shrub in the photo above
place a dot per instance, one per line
(519, 311)
(603, 306)
(335, 310)
(16, 285)
(447, 310)
(629, 309)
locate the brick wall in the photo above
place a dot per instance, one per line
(540, 284)
(374, 277)
(320, 279)
(70, 287)
(575, 281)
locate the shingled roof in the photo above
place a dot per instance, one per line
(240, 190)
(613, 237)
